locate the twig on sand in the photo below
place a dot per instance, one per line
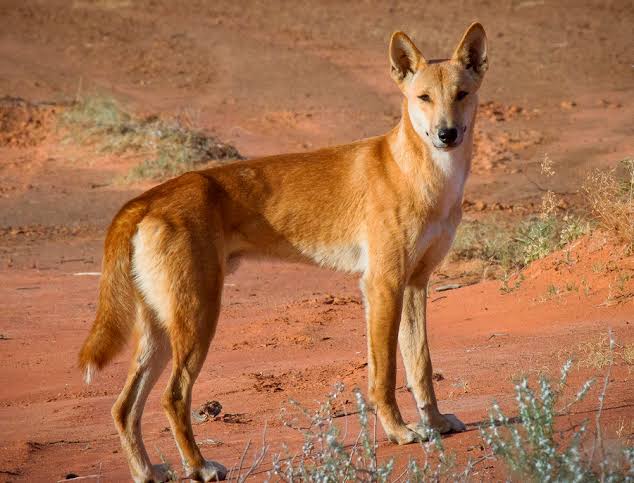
(244, 454)
(79, 478)
(449, 286)
(258, 459)
(599, 437)
(256, 462)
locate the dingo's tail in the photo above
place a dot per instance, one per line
(116, 304)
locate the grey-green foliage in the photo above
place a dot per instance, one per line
(514, 247)
(538, 237)
(173, 148)
(534, 450)
(324, 456)
(529, 445)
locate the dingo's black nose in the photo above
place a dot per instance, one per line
(448, 136)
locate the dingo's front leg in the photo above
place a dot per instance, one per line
(412, 340)
(383, 302)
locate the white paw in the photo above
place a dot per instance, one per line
(405, 435)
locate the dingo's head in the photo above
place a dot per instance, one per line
(441, 95)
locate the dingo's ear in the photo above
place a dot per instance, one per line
(404, 57)
(472, 49)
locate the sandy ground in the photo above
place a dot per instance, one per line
(269, 79)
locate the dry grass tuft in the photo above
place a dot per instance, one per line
(611, 197)
(173, 147)
(596, 354)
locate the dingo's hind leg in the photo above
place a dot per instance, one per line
(196, 272)
(150, 358)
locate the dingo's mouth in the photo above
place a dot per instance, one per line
(447, 147)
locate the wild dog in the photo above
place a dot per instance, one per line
(386, 207)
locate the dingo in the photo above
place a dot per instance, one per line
(386, 207)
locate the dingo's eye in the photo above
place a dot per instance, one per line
(461, 95)
(425, 98)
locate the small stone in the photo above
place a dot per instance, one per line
(480, 205)
(206, 411)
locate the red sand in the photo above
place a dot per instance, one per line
(270, 80)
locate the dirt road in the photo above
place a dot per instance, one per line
(268, 79)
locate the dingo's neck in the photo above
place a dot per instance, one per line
(439, 173)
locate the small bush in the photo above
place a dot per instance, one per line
(528, 444)
(534, 450)
(174, 148)
(536, 238)
(325, 457)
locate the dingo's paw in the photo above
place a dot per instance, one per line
(402, 435)
(158, 474)
(443, 423)
(211, 471)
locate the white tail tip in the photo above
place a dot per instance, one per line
(89, 373)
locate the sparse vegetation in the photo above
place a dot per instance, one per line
(325, 456)
(611, 198)
(536, 238)
(530, 445)
(511, 282)
(599, 354)
(485, 240)
(514, 247)
(619, 291)
(533, 449)
(173, 148)
(511, 247)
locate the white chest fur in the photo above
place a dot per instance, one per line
(453, 167)
(442, 227)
